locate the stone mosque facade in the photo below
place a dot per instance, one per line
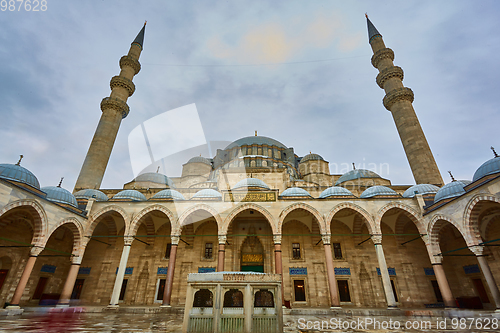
(337, 240)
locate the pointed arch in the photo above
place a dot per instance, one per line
(471, 216)
(435, 226)
(40, 221)
(76, 227)
(94, 220)
(193, 209)
(368, 219)
(240, 208)
(300, 205)
(134, 225)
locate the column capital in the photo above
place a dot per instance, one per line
(76, 260)
(222, 239)
(36, 250)
(127, 240)
(277, 239)
(175, 240)
(377, 239)
(326, 239)
(478, 250)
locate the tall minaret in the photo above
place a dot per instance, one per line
(114, 109)
(398, 100)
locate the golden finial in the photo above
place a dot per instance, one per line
(145, 22)
(366, 15)
(452, 178)
(158, 169)
(20, 158)
(255, 133)
(494, 152)
(354, 166)
(60, 183)
(310, 152)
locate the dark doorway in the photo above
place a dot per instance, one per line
(3, 276)
(253, 268)
(345, 296)
(40, 287)
(124, 288)
(300, 290)
(393, 285)
(161, 290)
(77, 289)
(252, 255)
(437, 291)
(483, 295)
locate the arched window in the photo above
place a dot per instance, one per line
(263, 299)
(233, 299)
(203, 298)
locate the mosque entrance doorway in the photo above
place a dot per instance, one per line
(252, 255)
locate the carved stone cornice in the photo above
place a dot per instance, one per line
(396, 95)
(120, 81)
(382, 54)
(115, 104)
(389, 73)
(130, 62)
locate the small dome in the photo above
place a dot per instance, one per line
(295, 192)
(451, 190)
(168, 194)
(335, 191)
(207, 194)
(155, 177)
(356, 174)
(255, 140)
(311, 157)
(132, 195)
(251, 182)
(60, 195)
(487, 168)
(200, 159)
(420, 189)
(19, 174)
(90, 193)
(378, 190)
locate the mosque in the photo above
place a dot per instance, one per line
(337, 240)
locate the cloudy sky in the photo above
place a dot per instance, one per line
(296, 71)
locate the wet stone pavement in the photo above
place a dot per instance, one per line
(129, 322)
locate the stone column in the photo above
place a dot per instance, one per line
(278, 268)
(70, 282)
(222, 253)
(127, 240)
(247, 308)
(386, 280)
(14, 303)
(437, 266)
(332, 283)
(485, 268)
(167, 294)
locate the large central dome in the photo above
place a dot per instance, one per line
(255, 140)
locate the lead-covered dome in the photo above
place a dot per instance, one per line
(60, 195)
(451, 190)
(378, 190)
(154, 177)
(295, 192)
(487, 168)
(132, 195)
(168, 195)
(207, 193)
(251, 183)
(200, 159)
(311, 157)
(335, 191)
(19, 174)
(255, 140)
(91, 194)
(356, 174)
(420, 189)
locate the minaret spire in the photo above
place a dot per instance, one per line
(398, 100)
(114, 109)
